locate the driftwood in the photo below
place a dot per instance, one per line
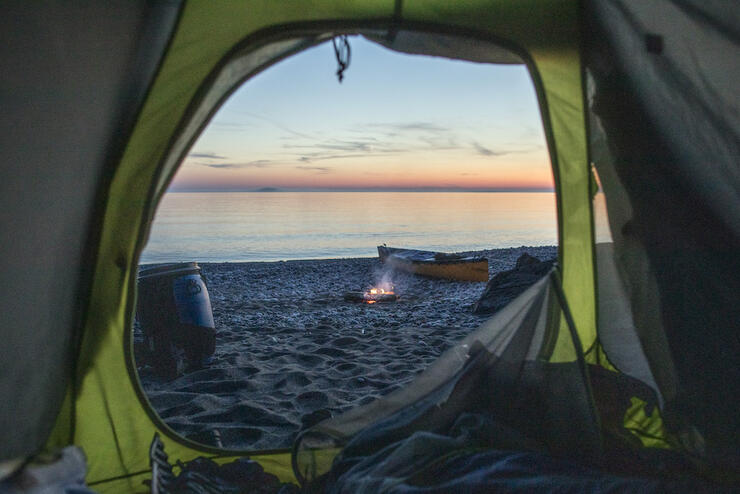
(370, 297)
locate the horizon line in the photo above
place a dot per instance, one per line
(366, 189)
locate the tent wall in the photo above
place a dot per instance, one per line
(546, 32)
(73, 76)
(666, 140)
(94, 97)
(617, 332)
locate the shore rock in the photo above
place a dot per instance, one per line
(507, 285)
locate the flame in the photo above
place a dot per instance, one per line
(371, 294)
(380, 291)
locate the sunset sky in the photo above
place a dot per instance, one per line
(395, 122)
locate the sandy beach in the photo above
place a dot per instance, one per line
(288, 345)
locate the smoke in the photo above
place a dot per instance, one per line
(384, 278)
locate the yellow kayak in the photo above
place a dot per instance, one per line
(435, 264)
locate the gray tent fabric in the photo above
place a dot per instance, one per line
(477, 454)
(617, 333)
(665, 139)
(74, 76)
(439, 45)
(684, 68)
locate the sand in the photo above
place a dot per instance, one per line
(290, 349)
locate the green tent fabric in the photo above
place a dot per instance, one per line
(135, 82)
(195, 51)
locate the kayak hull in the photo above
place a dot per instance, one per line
(435, 264)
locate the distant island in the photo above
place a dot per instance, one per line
(268, 189)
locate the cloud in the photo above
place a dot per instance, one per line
(311, 157)
(423, 126)
(220, 165)
(250, 164)
(207, 155)
(415, 136)
(484, 151)
(409, 126)
(317, 169)
(369, 140)
(378, 139)
(259, 163)
(369, 145)
(279, 125)
(231, 126)
(439, 143)
(346, 146)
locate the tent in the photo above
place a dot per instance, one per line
(101, 101)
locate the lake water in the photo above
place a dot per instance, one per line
(272, 226)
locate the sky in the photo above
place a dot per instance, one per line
(396, 122)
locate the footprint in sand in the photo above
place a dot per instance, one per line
(312, 400)
(330, 352)
(344, 341)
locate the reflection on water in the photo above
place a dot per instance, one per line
(269, 226)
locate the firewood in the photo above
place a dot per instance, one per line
(366, 297)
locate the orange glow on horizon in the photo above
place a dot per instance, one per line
(382, 176)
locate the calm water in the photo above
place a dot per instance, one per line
(270, 226)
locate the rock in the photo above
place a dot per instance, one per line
(507, 285)
(526, 260)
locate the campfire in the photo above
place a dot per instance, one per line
(373, 295)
